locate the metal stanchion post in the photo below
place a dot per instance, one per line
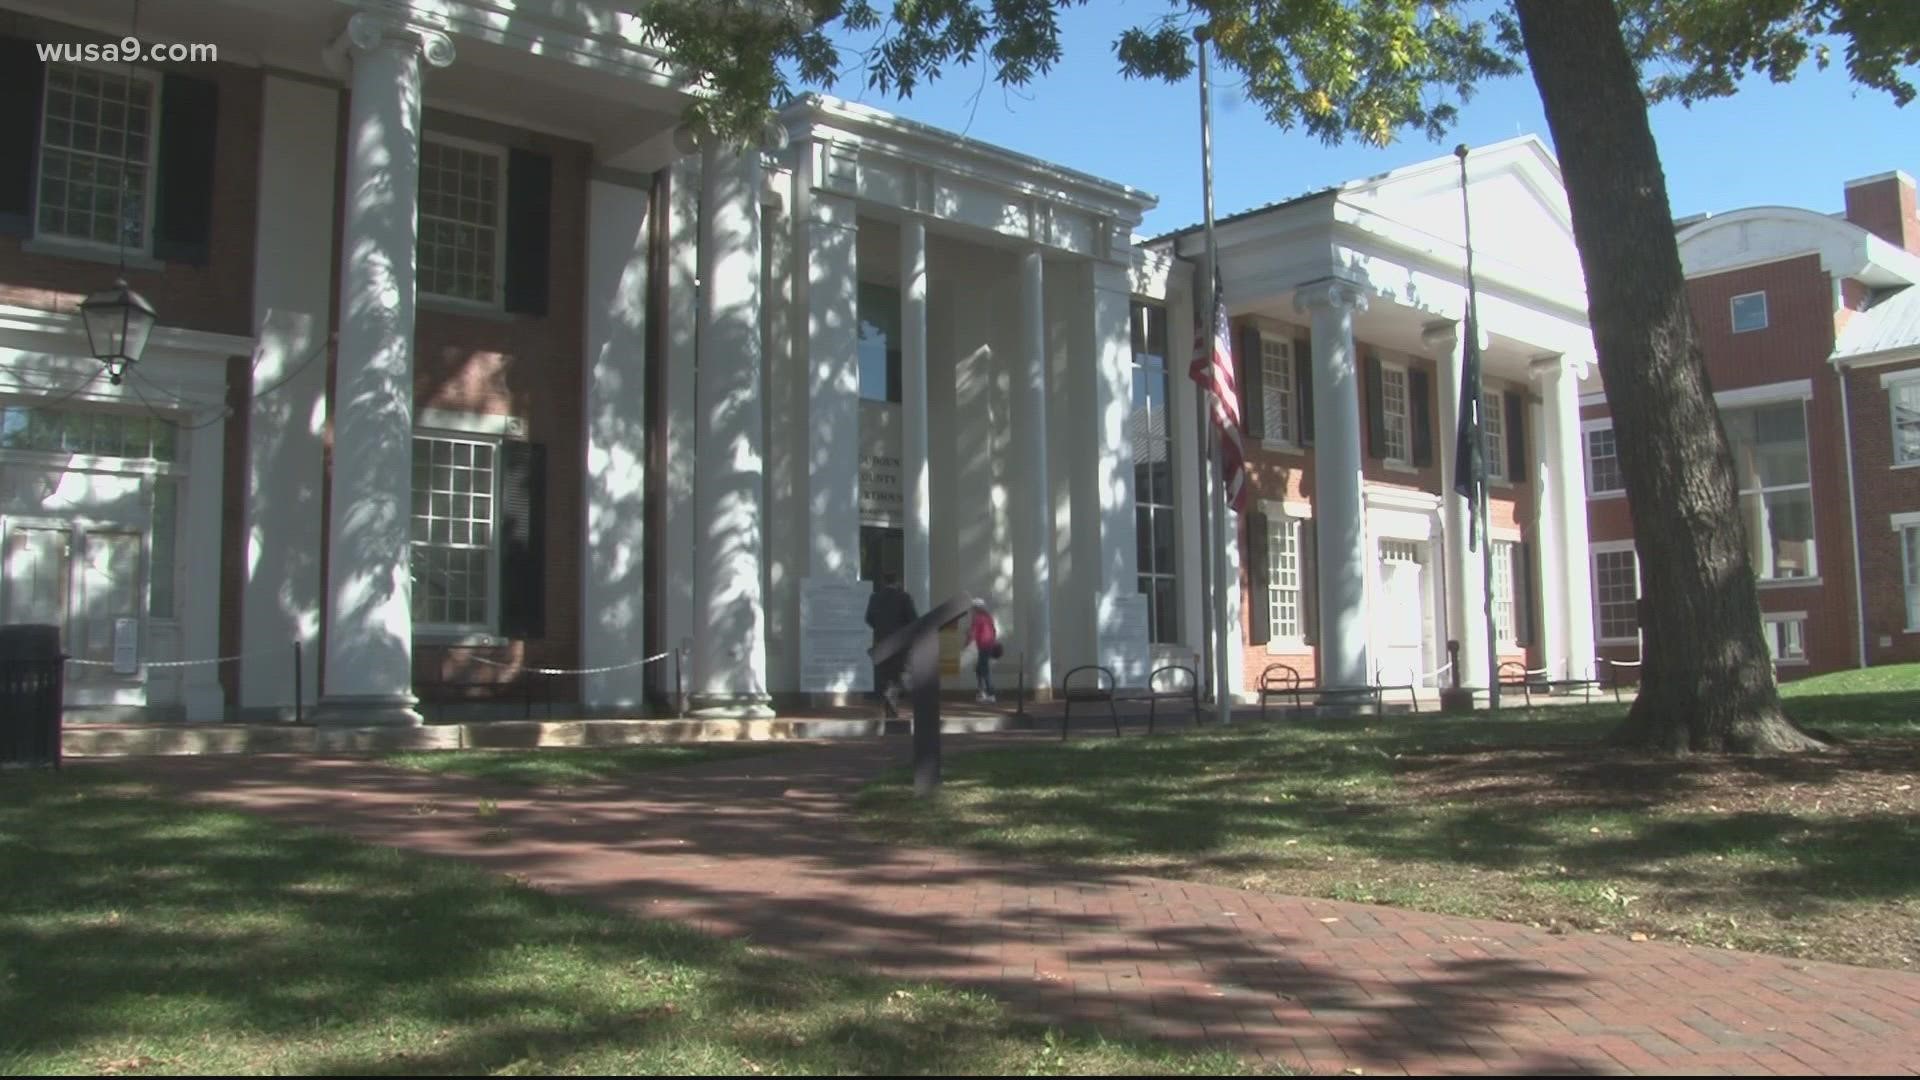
(299, 712)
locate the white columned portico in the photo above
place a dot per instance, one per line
(1568, 619)
(729, 643)
(1465, 571)
(913, 415)
(286, 453)
(612, 579)
(1339, 524)
(369, 675)
(1033, 548)
(201, 692)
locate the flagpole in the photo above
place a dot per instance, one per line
(1479, 434)
(1220, 533)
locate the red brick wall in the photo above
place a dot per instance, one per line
(1799, 333)
(217, 297)
(1882, 491)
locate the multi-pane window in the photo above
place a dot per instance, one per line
(1283, 578)
(1393, 399)
(1749, 311)
(76, 431)
(1603, 463)
(460, 232)
(1910, 561)
(1786, 637)
(1493, 432)
(455, 499)
(96, 153)
(166, 517)
(1276, 388)
(879, 347)
(1776, 490)
(1153, 499)
(1616, 589)
(1904, 403)
(1505, 622)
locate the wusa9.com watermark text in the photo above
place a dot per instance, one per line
(127, 49)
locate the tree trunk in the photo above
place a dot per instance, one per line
(1707, 682)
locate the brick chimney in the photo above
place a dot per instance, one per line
(1884, 206)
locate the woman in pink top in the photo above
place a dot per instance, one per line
(985, 638)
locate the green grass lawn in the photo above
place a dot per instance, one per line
(138, 935)
(570, 767)
(1514, 816)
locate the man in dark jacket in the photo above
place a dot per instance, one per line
(889, 609)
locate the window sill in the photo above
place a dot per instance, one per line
(453, 306)
(1792, 661)
(1603, 496)
(1402, 467)
(1899, 465)
(64, 249)
(1288, 647)
(1617, 641)
(1786, 582)
(1280, 446)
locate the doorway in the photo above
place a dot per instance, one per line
(1404, 617)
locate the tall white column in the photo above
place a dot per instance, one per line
(286, 454)
(913, 414)
(1339, 526)
(612, 579)
(202, 694)
(1568, 562)
(833, 382)
(369, 675)
(1033, 551)
(729, 645)
(1465, 573)
(676, 415)
(1120, 608)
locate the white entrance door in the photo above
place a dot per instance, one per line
(1401, 615)
(87, 598)
(109, 594)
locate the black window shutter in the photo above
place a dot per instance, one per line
(1303, 388)
(1376, 409)
(183, 195)
(1516, 438)
(1523, 594)
(1418, 405)
(1309, 582)
(1259, 622)
(1253, 380)
(529, 220)
(523, 537)
(22, 81)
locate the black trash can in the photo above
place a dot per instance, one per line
(31, 669)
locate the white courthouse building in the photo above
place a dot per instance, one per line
(468, 362)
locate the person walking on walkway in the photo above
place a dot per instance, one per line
(889, 609)
(984, 636)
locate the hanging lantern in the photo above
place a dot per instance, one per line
(119, 321)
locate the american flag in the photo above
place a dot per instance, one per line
(1213, 370)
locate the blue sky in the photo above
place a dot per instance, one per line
(1793, 144)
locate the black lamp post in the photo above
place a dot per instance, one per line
(119, 321)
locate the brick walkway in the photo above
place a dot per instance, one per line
(760, 848)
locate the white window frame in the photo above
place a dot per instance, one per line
(1812, 577)
(67, 240)
(1594, 551)
(1290, 521)
(1594, 491)
(1506, 607)
(1493, 433)
(1767, 621)
(1276, 382)
(1733, 312)
(1896, 382)
(1138, 359)
(1903, 525)
(479, 430)
(1402, 423)
(499, 155)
